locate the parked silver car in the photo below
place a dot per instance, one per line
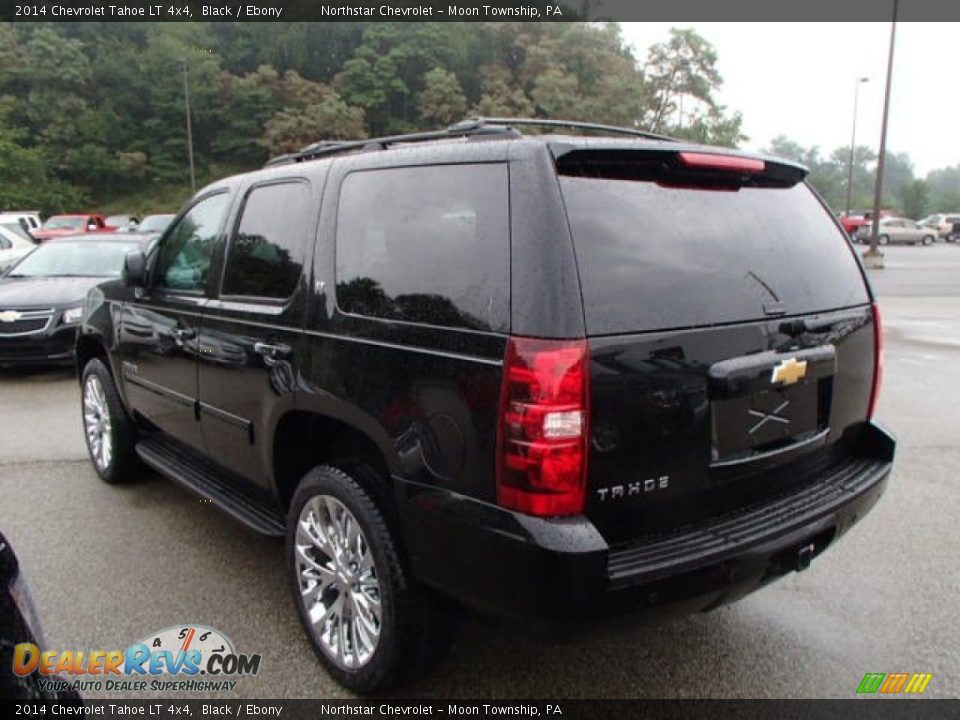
(899, 230)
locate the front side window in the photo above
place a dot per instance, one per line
(187, 250)
(266, 256)
(427, 245)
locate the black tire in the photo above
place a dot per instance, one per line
(124, 464)
(883, 240)
(928, 240)
(415, 625)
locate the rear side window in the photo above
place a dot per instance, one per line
(266, 256)
(654, 256)
(426, 245)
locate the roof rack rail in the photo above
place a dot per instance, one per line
(471, 127)
(544, 122)
(325, 148)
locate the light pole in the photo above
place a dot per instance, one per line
(873, 258)
(853, 140)
(186, 100)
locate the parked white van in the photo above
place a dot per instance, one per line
(28, 219)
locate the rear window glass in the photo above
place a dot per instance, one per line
(653, 257)
(427, 245)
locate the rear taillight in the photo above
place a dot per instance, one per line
(544, 425)
(877, 360)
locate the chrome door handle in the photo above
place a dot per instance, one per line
(183, 334)
(271, 350)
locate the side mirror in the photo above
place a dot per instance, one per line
(135, 269)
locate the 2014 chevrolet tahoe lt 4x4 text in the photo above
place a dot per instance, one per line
(544, 376)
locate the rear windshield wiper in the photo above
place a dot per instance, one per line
(769, 308)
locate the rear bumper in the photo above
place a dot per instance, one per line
(514, 565)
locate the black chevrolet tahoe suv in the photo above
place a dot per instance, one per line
(542, 375)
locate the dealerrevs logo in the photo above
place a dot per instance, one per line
(183, 652)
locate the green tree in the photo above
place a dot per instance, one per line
(828, 175)
(329, 119)
(170, 48)
(310, 112)
(56, 79)
(915, 199)
(386, 72)
(681, 76)
(26, 179)
(837, 168)
(681, 79)
(249, 103)
(500, 97)
(442, 101)
(555, 94)
(945, 189)
(102, 105)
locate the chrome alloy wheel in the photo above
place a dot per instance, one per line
(338, 582)
(96, 423)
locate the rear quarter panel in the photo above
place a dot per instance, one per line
(427, 396)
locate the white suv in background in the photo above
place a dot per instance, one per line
(943, 223)
(14, 244)
(29, 220)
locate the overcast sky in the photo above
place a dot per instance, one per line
(797, 79)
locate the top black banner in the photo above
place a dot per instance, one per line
(474, 10)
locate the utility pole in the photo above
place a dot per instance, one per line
(853, 140)
(873, 258)
(186, 99)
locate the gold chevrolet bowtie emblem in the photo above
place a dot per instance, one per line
(9, 316)
(789, 371)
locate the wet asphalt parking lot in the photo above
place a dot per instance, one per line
(110, 565)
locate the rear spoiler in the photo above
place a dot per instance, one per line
(683, 166)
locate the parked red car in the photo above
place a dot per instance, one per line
(73, 224)
(852, 223)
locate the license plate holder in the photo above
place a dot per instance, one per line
(764, 420)
(757, 410)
